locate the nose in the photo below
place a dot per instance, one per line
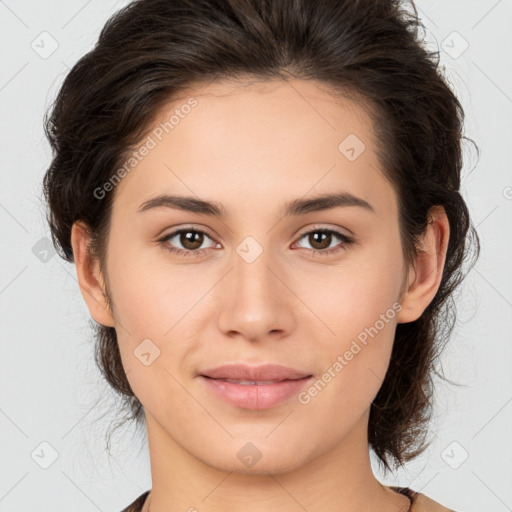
(256, 301)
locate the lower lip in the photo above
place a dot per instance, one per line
(255, 397)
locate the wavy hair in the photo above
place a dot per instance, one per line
(151, 51)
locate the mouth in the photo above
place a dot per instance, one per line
(254, 394)
(265, 374)
(254, 382)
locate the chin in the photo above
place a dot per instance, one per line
(256, 457)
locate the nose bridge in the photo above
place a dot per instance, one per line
(255, 304)
(253, 276)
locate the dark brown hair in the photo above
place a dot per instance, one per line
(152, 50)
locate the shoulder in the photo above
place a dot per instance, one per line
(421, 502)
(136, 505)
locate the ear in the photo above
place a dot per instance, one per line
(89, 276)
(427, 270)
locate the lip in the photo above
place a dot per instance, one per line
(262, 395)
(264, 372)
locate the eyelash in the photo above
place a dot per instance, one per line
(197, 252)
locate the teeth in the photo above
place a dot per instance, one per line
(250, 382)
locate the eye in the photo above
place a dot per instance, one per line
(322, 238)
(190, 239)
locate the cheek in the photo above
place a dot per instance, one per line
(154, 305)
(352, 295)
(358, 308)
(150, 295)
(355, 364)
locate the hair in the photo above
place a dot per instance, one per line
(151, 51)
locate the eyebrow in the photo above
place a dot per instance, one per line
(296, 207)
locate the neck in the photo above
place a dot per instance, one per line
(339, 479)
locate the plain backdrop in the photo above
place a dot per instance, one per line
(54, 407)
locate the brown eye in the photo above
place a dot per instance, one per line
(190, 240)
(320, 240)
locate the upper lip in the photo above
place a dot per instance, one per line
(264, 372)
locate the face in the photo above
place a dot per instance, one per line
(314, 288)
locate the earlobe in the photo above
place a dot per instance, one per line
(89, 276)
(427, 271)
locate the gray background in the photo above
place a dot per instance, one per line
(52, 397)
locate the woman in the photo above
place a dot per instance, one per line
(262, 202)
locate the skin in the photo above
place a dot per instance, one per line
(253, 147)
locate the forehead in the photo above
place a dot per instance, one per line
(270, 138)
